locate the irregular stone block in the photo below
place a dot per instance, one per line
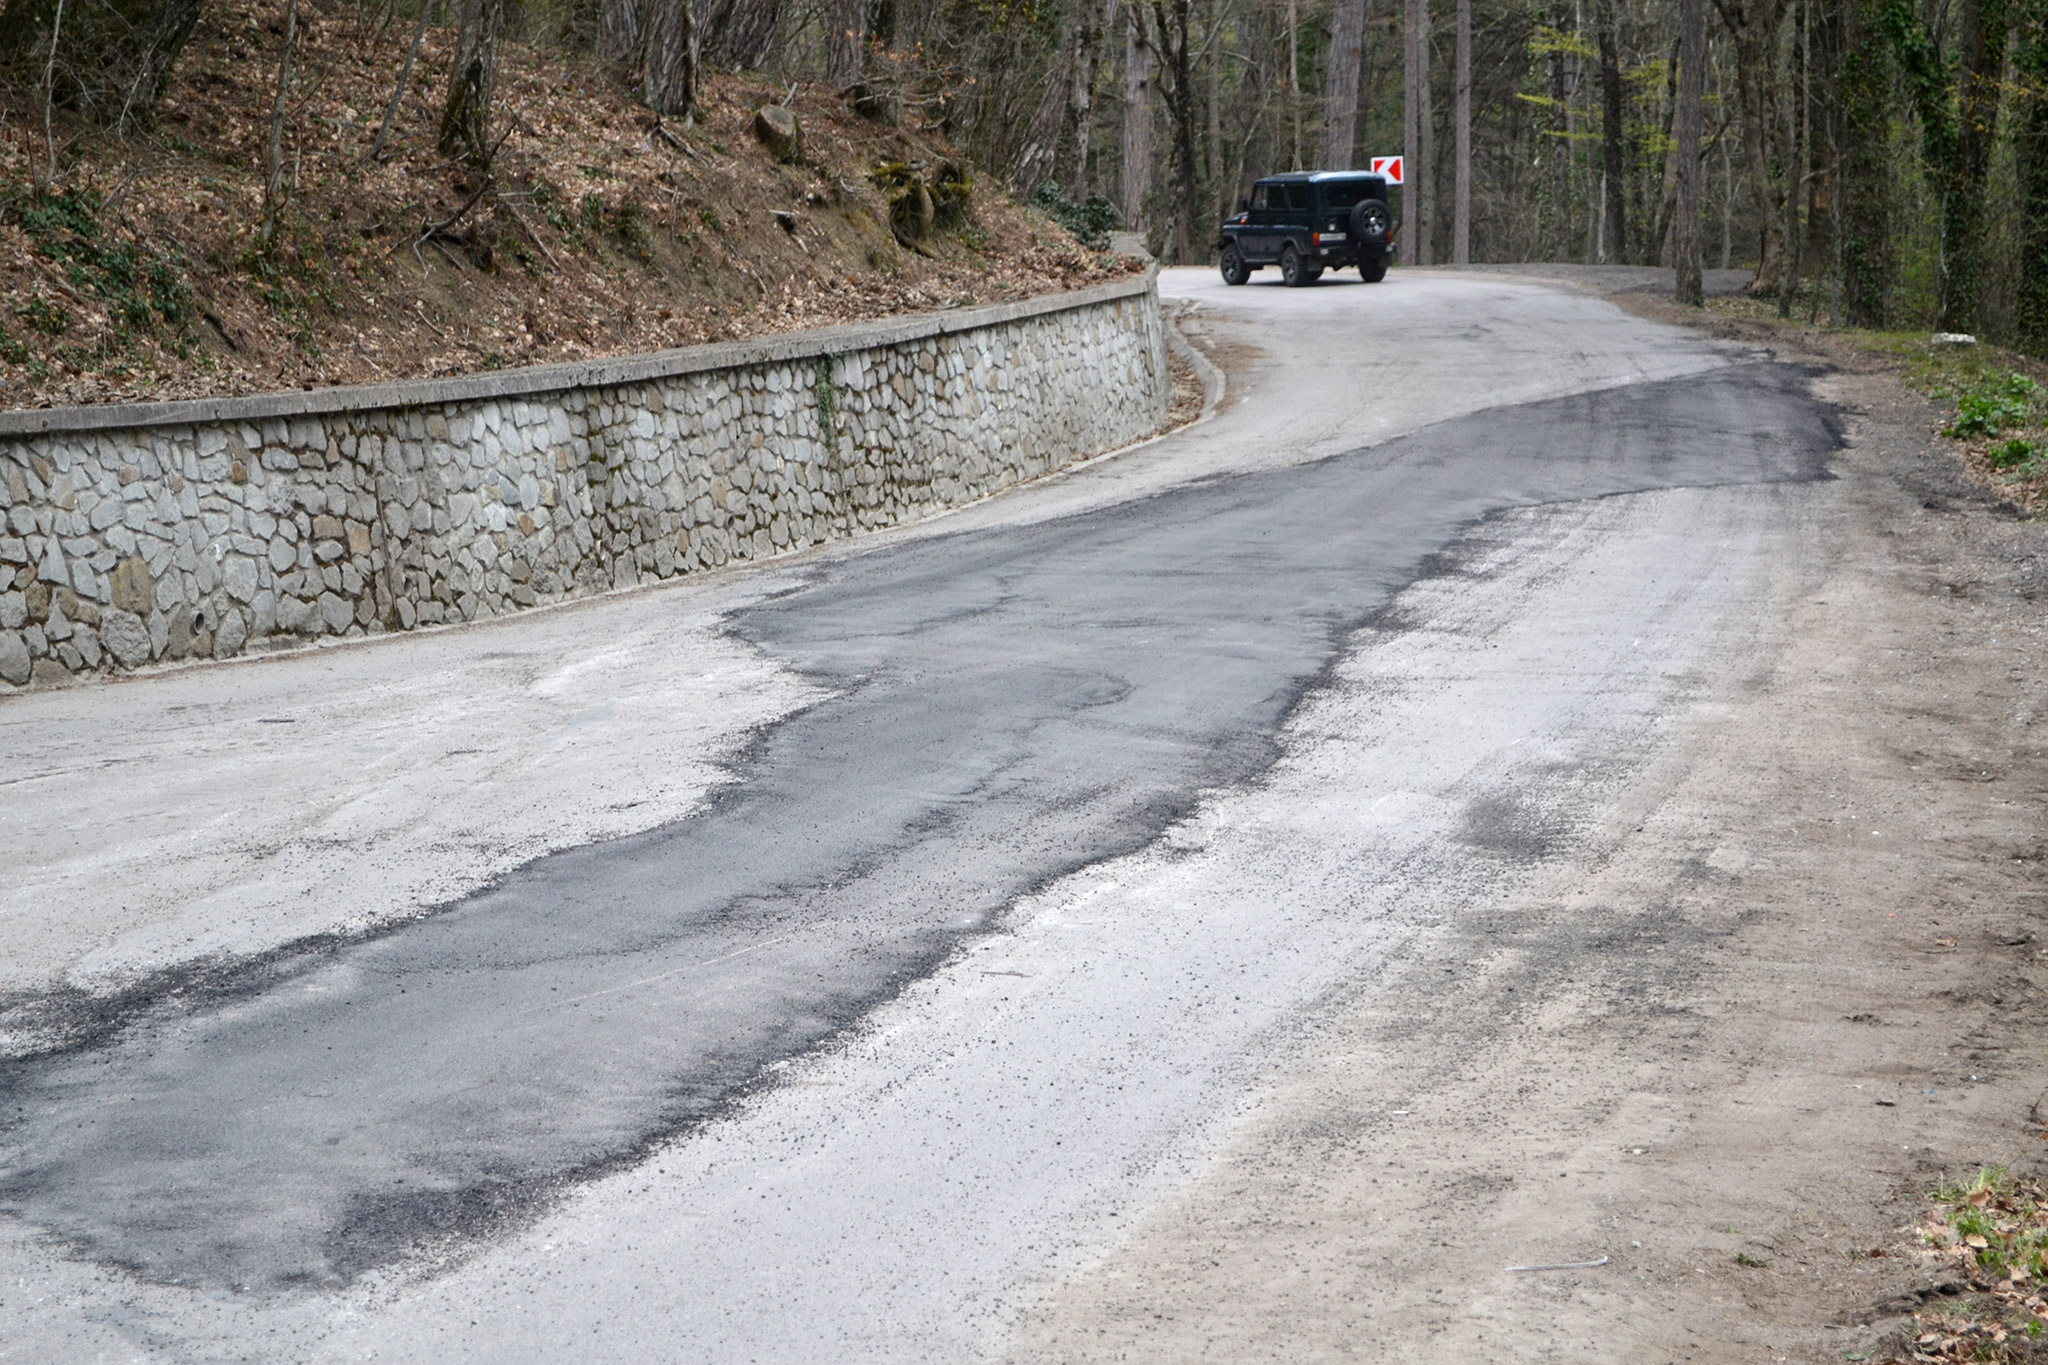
(126, 637)
(15, 663)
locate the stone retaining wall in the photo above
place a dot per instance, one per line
(149, 532)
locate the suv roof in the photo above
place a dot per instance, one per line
(1313, 176)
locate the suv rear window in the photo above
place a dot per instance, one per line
(1342, 194)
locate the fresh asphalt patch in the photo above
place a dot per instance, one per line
(1006, 707)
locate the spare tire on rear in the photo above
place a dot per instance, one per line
(1371, 221)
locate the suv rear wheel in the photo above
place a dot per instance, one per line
(1373, 270)
(1235, 271)
(1294, 270)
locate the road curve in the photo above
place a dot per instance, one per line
(1061, 820)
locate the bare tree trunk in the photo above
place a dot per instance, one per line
(1461, 199)
(738, 33)
(1727, 205)
(668, 73)
(742, 33)
(1560, 246)
(1037, 162)
(1794, 158)
(1174, 26)
(1985, 24)
(618, 30)
(1656, 240)
(846, 43)
(1213, 73)
(273, 144)
(412, 53)
(1614, 201)
(1294, 79)
(1139, 56)
(1340, 87)
(1866, 85)
(472, 76)
(1070, 167)
(1692, 85)
(48, 95)
(1754, 25)
(1411, 119)
(2030, 155)
(1425, 169)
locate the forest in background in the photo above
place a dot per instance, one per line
(1877, 162)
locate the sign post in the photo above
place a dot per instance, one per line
(1389, 167)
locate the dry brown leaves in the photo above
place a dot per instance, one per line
(602, 230)
(1990, 1234)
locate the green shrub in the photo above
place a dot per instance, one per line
(1994, 403)
(1091, 220)
(2014, 453)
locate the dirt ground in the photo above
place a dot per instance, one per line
(1765, 1010)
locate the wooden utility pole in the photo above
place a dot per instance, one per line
(1692, 79)
(1461, 195)
(1411, 110)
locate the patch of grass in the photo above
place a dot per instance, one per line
(2001, 1222)
(1993, 1228)
(1743, 1258)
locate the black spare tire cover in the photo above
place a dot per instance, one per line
(1370, 221)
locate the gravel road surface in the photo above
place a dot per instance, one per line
(853, 958)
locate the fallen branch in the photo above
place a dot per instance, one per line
(58, 283)
(531, 235)
(433, 230)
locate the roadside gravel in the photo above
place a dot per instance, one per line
(1802, 972)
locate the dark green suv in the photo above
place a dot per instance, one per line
(1308, 222)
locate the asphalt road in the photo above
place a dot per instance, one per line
(990, 866)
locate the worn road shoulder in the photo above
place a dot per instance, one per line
(1799, 974)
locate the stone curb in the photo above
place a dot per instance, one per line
(544, 379)
(1214, 386)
